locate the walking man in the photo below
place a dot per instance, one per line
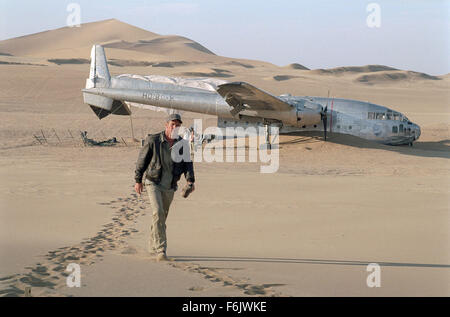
(162, 161)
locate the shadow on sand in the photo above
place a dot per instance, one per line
(301, 261)
(439, 149)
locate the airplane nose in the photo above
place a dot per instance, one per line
(417, 131)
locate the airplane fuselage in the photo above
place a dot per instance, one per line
(346, 116)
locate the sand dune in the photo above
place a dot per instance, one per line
(352, 69)
(19, 63)
(171, 64)
(123, 41)
(161, 45)
(384, 77)
(61, 61)
(213, 72)
(43, 43)
(375, 74)
(284, 77)
(296, 66)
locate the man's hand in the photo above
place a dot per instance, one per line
(187, 190)
(138, 188)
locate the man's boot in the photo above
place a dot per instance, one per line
(161, 257)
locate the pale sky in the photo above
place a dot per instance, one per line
(413, 34)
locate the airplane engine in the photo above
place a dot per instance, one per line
(308, 117)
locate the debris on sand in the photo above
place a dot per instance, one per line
(91, 142)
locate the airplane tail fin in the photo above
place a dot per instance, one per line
(99, 77)
(99, 74)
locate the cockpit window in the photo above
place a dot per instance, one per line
(397, 116)
(389, 115)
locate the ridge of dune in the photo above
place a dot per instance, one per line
(44, 44)
(296, 66)
(162, 44)
(352, 69)
(284, 77)
(393, 76)
(375, 74)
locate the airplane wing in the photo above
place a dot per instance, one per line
(238, 94)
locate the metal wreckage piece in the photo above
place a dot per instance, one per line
(91, 142)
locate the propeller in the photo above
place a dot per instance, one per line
(324, 117)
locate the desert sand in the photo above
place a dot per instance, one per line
(310, 229)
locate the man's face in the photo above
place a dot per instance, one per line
(172, 128)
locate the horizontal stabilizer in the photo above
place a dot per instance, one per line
(104, 106)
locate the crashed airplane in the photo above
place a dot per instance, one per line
(239, 104)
